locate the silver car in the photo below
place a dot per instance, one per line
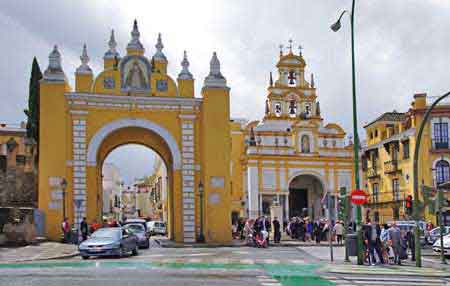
(109, 241)
(139, 230)
(435, 234)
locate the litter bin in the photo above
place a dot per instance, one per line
(351, 244)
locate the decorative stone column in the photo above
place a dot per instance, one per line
(188, 175)
(79, 164)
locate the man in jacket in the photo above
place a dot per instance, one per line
(395, 238)
(276, 230)
(84, 229)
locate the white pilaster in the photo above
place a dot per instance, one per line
(79, 168)
(252, 188)
(188, 175)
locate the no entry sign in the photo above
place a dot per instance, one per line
(359, 197)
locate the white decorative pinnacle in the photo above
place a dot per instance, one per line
(84, 67)
(159, 55)
(135, 44)
(54, 70)
(185, 73)
(112, 52)
(215, 77)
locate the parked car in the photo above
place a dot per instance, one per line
(157, 227)
(109, 241)
(139, 221)
(139, 230)
(435, 234)
(410, 225)
(437, 245)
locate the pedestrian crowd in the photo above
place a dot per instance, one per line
(73, 235)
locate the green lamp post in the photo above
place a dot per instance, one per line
(335, 27)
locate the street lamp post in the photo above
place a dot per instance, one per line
(335, 27)
(63, 184)
(416, 203)
(201, 236)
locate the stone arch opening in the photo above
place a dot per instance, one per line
(305, 194)
(145, 133)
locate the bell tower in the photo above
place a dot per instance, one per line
(291, 96)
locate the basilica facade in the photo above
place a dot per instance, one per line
(290, 158)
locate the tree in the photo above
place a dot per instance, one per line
(32, 112)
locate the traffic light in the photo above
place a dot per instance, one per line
(409, 205)
(342, 204)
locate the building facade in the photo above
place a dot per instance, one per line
(134, 100)
(112, 191)
(387, 159)
(18, 174)
(158, 191)
(291, 157)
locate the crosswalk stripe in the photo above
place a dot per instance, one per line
(194, 260)
(381, 280)
(271, 261)
(297, 261)
(247, 261)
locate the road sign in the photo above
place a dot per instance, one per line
(359, 197)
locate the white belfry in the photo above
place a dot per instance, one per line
(84, 67)
(112, 52)
(159, 55)
(185, 73)
(54, 71)
(215, 77)
(135, 43)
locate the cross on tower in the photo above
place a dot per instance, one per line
(290, 46)
(300, 48)
(281, 50)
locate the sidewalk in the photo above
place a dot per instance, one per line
(430, 266)
(42, 251)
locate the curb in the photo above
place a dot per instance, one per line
(390, 273)
(181, 245)
(58, 257)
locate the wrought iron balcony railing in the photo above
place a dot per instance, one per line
(440, 143)
(391, 167)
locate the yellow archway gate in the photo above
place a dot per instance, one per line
(134, 100)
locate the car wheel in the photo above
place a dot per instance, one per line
(85, 257)
(121, 252)
(135, 251)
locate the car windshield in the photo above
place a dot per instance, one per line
(135, 227)
(107, 233)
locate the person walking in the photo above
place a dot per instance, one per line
(84, 229)
(395, 239)
(411, 243)
(339, 231)
(276, 230)
(65, 227)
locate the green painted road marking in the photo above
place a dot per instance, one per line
(294, 275)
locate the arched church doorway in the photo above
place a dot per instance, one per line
(305, 194)
(134, 185)
(141, 197)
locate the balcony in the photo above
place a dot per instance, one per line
(440, 143)
(391, 167)
(372, 172)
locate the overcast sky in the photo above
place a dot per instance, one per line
(402, 46)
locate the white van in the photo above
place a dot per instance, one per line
(157, 227)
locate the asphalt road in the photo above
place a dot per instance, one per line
(275, 266)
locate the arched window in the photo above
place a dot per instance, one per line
(305, 144)
(442, 171)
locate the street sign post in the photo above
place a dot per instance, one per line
(358, 197)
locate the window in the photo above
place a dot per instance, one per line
(405, 149)
(375, 192)
(440, 135)
(442, 172)
(20, 160)
(395, 189)
(376, 133)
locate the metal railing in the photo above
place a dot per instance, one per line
(372, 172)
(440, 143)
(391, 167)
